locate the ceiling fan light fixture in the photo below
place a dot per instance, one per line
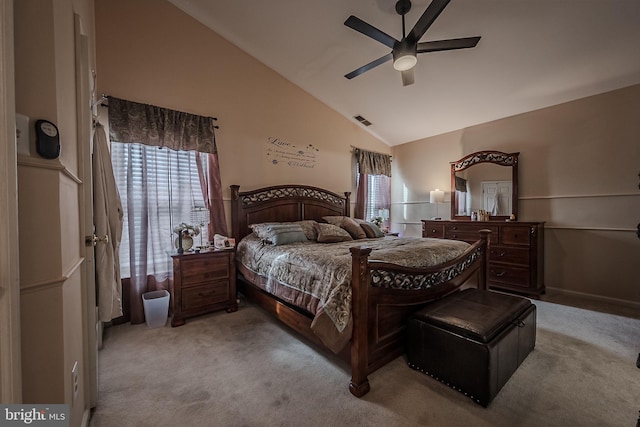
(404, 55)
(405, 62)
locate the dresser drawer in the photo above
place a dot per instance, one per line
(514, 276)
(509, 254)
(435, 231)
(470, 233)
(204, 295)
(518, 235)
(200, 270)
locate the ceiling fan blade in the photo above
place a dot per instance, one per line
(427, 18)
(370, 65)
(408, 77)
(438, 45)
(370, 31)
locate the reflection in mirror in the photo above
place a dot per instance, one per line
(486, 180)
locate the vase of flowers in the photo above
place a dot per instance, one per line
(377, 220)
(186, 233)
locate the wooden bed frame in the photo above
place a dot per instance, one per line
(378, 314)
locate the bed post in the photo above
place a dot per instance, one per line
(484, 272)
(359, 385)
(235, 226)
(347, 202)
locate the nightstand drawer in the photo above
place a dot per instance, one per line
(199, 270)
(204, 295)
(509, 255)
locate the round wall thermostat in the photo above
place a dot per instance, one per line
(47, 139)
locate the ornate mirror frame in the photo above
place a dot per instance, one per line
(497, 158)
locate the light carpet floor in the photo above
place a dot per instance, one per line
(247, 369)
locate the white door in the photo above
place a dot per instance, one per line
(496, 197)
(84, 106)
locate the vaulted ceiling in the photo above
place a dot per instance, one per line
(532, 54)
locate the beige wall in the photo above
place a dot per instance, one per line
(149, 51)
(51, 254)
(579, 165)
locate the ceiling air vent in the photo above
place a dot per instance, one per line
(362, 120)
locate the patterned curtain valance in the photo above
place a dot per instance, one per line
(133, 122)
(372, 163)
(461, 184)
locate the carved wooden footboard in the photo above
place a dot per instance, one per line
(383, 298)
(383, 294)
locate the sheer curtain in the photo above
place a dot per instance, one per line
(162, 180)
(160, 189)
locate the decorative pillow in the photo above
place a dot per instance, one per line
(308, 228)
(371, 230)
(279, 233)
(353, 228)
(262, 230)
(286, 236)
(329, 233)
(334, 219)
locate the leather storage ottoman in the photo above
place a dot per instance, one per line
(473, 340)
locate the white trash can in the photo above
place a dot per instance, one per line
(156, 308)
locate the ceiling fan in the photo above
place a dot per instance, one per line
(404, 51)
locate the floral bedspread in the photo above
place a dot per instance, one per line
(323, 270)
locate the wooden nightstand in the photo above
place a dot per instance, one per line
(202, 283)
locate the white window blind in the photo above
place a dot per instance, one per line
(378, 198)
(160, 189)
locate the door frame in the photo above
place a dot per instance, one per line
(84, 113)
(10, 352)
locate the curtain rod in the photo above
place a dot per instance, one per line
(104, 98)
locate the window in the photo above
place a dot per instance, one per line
(378, 198)
(373, 196)
(159, 189)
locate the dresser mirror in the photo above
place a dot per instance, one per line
(485, 180)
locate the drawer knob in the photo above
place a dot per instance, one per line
(499, 273)
(206, 294)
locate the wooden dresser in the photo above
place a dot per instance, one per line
(203, 282)
(516, 251)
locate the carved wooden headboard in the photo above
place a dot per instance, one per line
(283, 203)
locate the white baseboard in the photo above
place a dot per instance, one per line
(598, 298)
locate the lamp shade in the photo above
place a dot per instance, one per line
(436, 196)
